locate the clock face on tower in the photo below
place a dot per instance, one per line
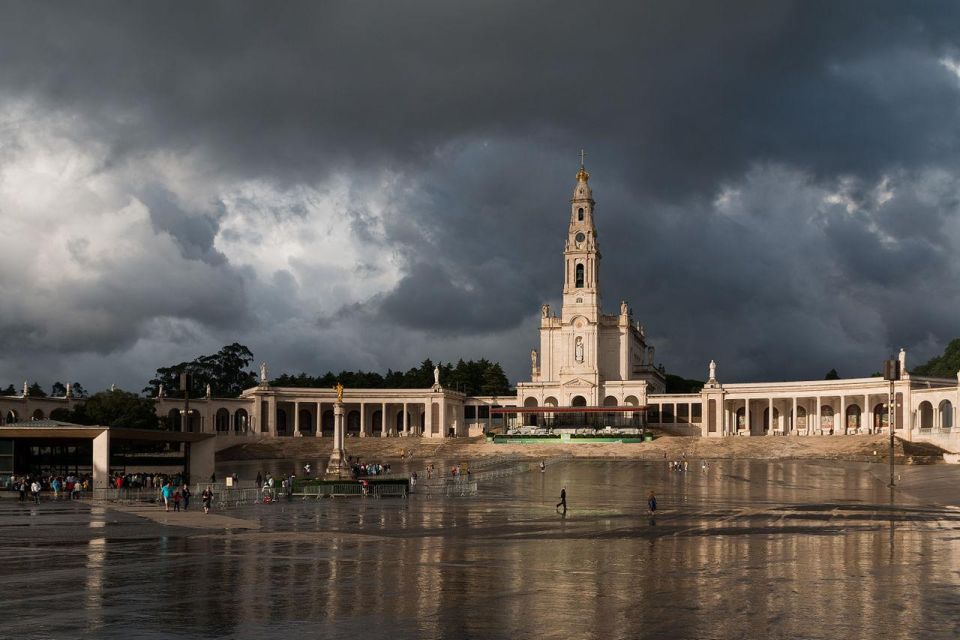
(580, 237)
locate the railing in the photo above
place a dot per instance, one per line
(451, 489)
(147, 495)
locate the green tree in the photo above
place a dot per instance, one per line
(58, 390)
(225, 371)
(9, 391)
(77, 390)
(114, 409)
(678, 384)
(832, 375)
(36, 391)
(945, 365)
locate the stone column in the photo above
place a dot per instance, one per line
(363, 418)
(101, 460)
(319, 419)
(819, 414)
(443, 417)
(406, 421)
(271, 416)
(843, 416)
(428, 419)
(868, 412)
(793, 415)
(770, 415)
(384, 423)
(296, 418)
(201, 456)
(746, 416)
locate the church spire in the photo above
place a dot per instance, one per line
(581, 294)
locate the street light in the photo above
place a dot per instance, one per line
(891, 373)
(186, 380)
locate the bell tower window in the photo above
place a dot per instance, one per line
(579, 277)
(580, 214)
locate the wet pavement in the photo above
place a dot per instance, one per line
(746, 550)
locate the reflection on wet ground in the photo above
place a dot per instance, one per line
(746, 550)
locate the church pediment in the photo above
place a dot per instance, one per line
(578, 382)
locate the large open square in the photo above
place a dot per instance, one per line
(742, 550)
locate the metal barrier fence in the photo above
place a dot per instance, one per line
(449, 489)
(143, 495)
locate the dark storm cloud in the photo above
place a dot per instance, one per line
(478, 109)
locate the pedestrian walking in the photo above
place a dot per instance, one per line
(176, 501)
(167, 494)
(652, 503)
(206, 498)
(35, 491)
(185, 493)
(563, 499)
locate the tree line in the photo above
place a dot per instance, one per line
(472, 377)
(228, 373)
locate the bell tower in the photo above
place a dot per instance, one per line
(581, 256)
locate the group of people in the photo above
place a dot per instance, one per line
(71, 487)
(144, 480)
(363, 469)
(170, 494)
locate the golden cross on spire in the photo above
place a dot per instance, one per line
(583, 154)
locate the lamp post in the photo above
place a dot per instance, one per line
(891, 373)
(186, 379)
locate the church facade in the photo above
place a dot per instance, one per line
(586, 359)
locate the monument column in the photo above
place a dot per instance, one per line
(319, 432)
(271, 405)
(384, 423)
(337, 464)
(793, 416)
(746, 416)
(406, 421)
(770, 424)
(363, 418)
(296, 418)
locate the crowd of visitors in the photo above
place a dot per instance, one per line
(56, 487)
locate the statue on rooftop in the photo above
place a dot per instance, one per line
(339, 389)
(263, 373)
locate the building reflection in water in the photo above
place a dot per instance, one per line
(744, 550)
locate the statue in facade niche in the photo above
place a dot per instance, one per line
(578, 349)
(533, 359)
(263, 373)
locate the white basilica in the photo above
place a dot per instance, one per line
(588, 360)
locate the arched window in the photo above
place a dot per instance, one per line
(222, 420)
(946, 415)
(240, 421)
(580, 214)
(578, 401)
(579, 279)
(926, 415)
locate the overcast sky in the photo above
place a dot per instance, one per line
(366, 184)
